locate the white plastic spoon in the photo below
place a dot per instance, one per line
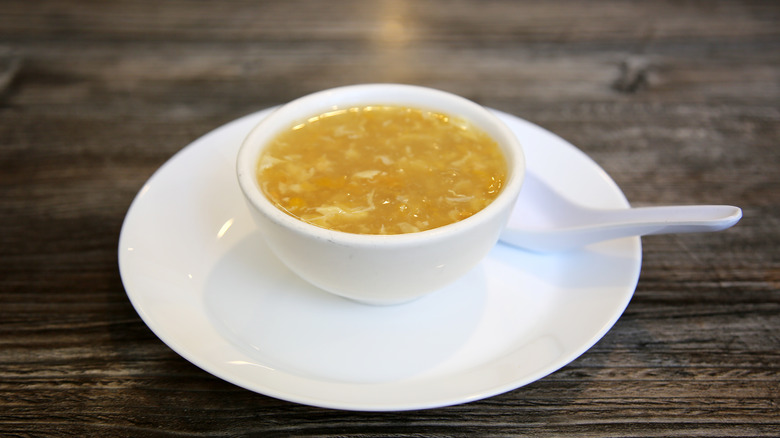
(557, 224)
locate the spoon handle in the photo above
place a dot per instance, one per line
(666, 219)
(599, 225)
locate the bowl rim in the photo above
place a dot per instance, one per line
(303, 107)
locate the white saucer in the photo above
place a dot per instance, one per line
(202, 279)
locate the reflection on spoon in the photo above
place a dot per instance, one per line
(559, 224)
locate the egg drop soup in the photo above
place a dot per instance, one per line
(382, 170)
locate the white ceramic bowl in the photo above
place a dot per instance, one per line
(380, 269)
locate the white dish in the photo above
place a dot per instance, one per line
(199, 275)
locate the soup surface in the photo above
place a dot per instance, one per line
(382, 170)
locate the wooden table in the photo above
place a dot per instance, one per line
(678, 101)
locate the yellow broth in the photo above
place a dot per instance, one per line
(382, 170)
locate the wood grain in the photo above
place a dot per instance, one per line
(678, 101)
